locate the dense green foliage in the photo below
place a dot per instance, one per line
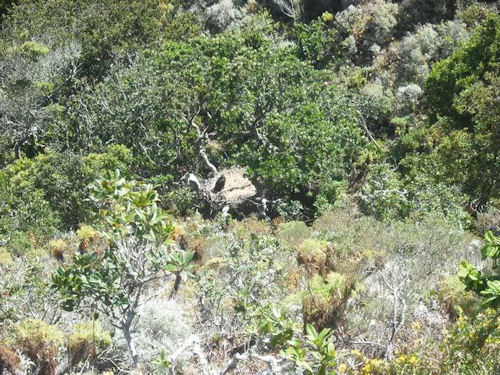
(487, 285)
(277, 118)
(461, 90)
(295, 183)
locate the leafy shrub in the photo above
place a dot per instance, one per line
(479, 337)
(383, 193)
(325, 301)
(293, 233)
(40, 342)
(434, 43)
(86, 340)
(104, 30)
(23, 212)
(58, 249)
(466, 66)
(315, 354)
(389, 194)
(468, 347)
(317, 42)
(420, 12)
(314, 255)
(408, 97)
(221, 14)
(56, 185)
(486, 285)
(370, 25)
(116, 280)
(247, 276)
(460, 142)
(381, 20)
(35, 78)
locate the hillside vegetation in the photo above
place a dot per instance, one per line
(271, 187)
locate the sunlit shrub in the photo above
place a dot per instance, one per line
(469, 346)
(293, 233)
(221, 14)
(162, 327)
(316, 256)
(248, 227)
(86, 340)
(5, 257)
(58, 249)
(325, 301)
(40, 342)
(414, 54)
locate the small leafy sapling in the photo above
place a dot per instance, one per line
(486, 285)
(115, 280)
(315, 353)
(179, 264)
(274, 322)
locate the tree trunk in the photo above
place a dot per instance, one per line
(177, 284)
(130, 343)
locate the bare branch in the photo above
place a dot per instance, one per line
(207, 162)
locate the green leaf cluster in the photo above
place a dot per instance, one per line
(487, 285)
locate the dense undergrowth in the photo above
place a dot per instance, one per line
(362, 237)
